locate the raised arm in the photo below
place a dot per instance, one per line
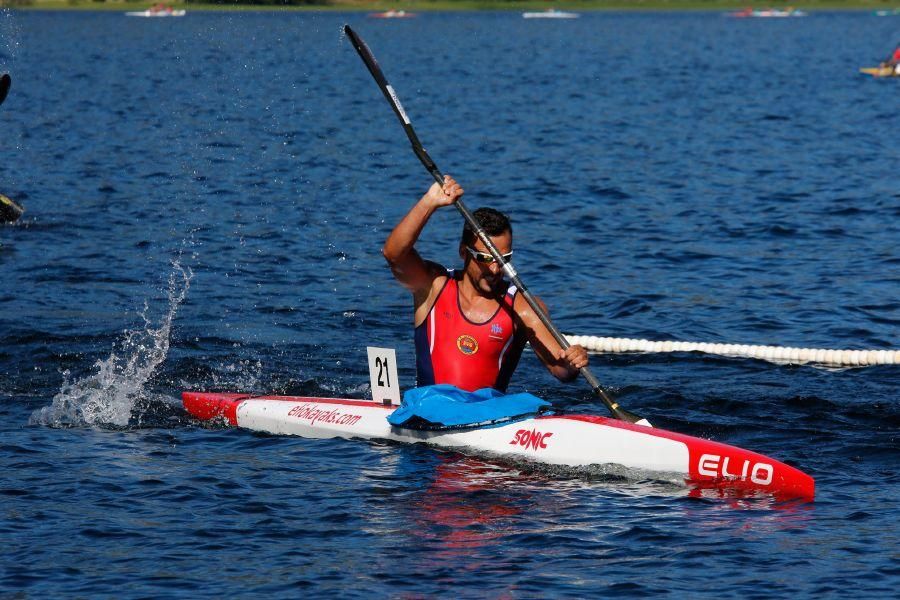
(399, 250)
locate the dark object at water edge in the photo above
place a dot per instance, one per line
(5, 82)
(9, 210)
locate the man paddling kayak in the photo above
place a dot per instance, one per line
(470, 324)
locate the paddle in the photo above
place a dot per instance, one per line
(5, 82)
(367, 57)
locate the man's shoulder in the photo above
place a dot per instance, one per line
(436, 269)
(425, 298)
(438, 275)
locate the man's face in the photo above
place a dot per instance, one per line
(487, 276)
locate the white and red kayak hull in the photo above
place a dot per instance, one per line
(567, 440)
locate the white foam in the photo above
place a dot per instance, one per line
(109, 395)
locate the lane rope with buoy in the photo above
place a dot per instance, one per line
(775, 354)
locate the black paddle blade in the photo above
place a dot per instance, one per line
(391, 96)
(5, 82)
(629, 417)
(367, 57)
(617, 411)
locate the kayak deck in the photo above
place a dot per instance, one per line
(576, 441)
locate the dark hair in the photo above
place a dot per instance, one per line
(492, 221)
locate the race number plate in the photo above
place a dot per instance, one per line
(383, 375)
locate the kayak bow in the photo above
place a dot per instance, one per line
(880, 71)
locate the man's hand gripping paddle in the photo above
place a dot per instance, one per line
(368, 58)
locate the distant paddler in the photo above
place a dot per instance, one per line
(9, 210)
(893, 61)
(890, 67)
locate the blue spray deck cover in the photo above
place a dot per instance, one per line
(444, 406)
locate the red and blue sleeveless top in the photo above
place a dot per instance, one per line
(452, 349)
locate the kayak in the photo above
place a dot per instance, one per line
(550, 13)
(157, 13)
(768, 13)
(580, 442)
(392, 14)
(880, 71)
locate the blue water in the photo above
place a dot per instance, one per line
(206, 198)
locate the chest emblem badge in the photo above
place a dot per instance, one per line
(467, 344)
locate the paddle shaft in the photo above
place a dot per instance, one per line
(369, 59)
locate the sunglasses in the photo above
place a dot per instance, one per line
(485, 258)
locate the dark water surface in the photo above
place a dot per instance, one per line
(206, 198)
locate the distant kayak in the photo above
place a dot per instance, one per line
(768, 13)
(157, 13)
(392, 14)
(550, 13)
(880, 71)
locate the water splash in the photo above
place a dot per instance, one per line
(109, 396)
(243, 375)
